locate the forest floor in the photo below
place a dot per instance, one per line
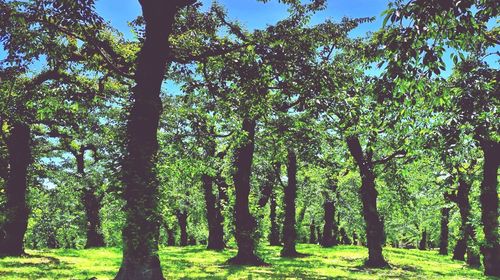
(194, 262)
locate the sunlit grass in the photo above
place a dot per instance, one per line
(342, 262)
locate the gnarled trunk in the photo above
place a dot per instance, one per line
(368, 193)
(16, 222)
(289, 231)
(141, 231)
(245, 224)
(489, 207)
(443, 237)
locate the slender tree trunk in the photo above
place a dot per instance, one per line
(312, 232)
(92, 205)
(489, 207)
(289, 231)
(182, 220)
(368, 193)
(214, 216)
(245, 224)
(329, 238)
(274, 235)
(443, 238)
(141, 231)
(16, 214)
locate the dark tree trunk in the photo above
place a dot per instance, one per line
(345, 237)
(312, 233)
(245, 224)
(274, 235)
(170, 236)
(354, 238)
(489, 207)
(289, 231)
(214, 217)
(422, 245)
(368, 193)
(329, 237)
(467, 234)
(92, 205)
(182, 220)
(443, 238)
(16, 210)
(141, 231)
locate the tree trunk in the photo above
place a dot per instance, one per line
(443, 238)
(312, 232)
(467, 234)
(274, 235)
(16, 214)
(92, 205)
(141, 231)
(489, 207)
(214, 217)
(289, 231)
(182, 220)
(245, 224)
(422, 245)
(368, 193)
(170, 236)
(329, 238)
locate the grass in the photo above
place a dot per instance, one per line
(341, 262)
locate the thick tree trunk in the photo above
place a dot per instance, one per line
(489, 207)
(274, 235)
(289, 231)
(141, 231)
(245, 224)
(170, 237)
(443, 238)
(16, 214)
(368, 193)
(92, 206)
(214, 216)
(182, 220)
(329, 237)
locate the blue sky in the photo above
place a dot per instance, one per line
(253, 14)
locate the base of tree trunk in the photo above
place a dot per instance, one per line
(376, 263)
(12, 253)
(144, 271)
(251, 260)
(216, 247)
(491, 260)
(292, 254)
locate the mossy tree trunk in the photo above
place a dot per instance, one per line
(141, 231)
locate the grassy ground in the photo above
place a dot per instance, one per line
(342, 262)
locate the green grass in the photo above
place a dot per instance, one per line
(341, 262)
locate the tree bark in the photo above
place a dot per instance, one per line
(489, 207)
(141, 231)
(312, 232)
(91, 204)
(329, 236)
(245, 224)
(274, 235)
(214, 216)
(422, 245)
(368, 193)
(16, 222)
(467, 233)
(443, 237)
(289, 231)
(182, 220)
